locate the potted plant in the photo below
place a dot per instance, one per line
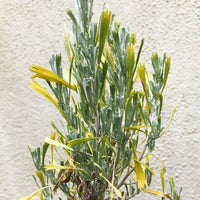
(110, 125)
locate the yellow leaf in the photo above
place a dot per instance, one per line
(130, 59)
(119, 194)
(143, 141)
(53, 135)
(133, 35)
(71, 163)
(34, 193)
(53, 142)
(158, 159)
(59, 167)
(158, 193)
(109, 56)
(167, 68)
(40, 176)
(89, 134)
(25, 198)
(133, 178)
(162, 173)
(142, 71)
(41, 195)
(147, 158)
(80, 140)
(146, 166)
(132, 164)
(38, 88)
(130, 62)
(45, 74)
(128, 104)
(104, 28)
(136, 77)
(172, 115)
(141, 179)
(68, 44)
(138, 128)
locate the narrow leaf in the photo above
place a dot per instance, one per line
(41, 195)
(130, 61)
(158, 193)
(162, 173)
(167, 68)
(104, 27)
(58, 167)
(139, 52)
(53, 135)
(161, 102)
(87, 134)
(34, 193)
(128, 104)
(67, 44)
(146, 166)
(142, 71)
(53, 142)
(119, 194)
(45, 74)
(141, 179)
(103, 84)
(172, 115)
(80, 140)
(138, 128)
(109, 56)
(40, 176)
(73, 18)
(44, 150)
(38, 88)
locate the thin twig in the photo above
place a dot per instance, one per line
(144, 149)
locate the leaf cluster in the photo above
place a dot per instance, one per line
(111, 126)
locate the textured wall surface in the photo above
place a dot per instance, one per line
(31, 31)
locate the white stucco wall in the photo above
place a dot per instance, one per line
(31, 31)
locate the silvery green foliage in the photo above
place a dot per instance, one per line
(119, 119)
